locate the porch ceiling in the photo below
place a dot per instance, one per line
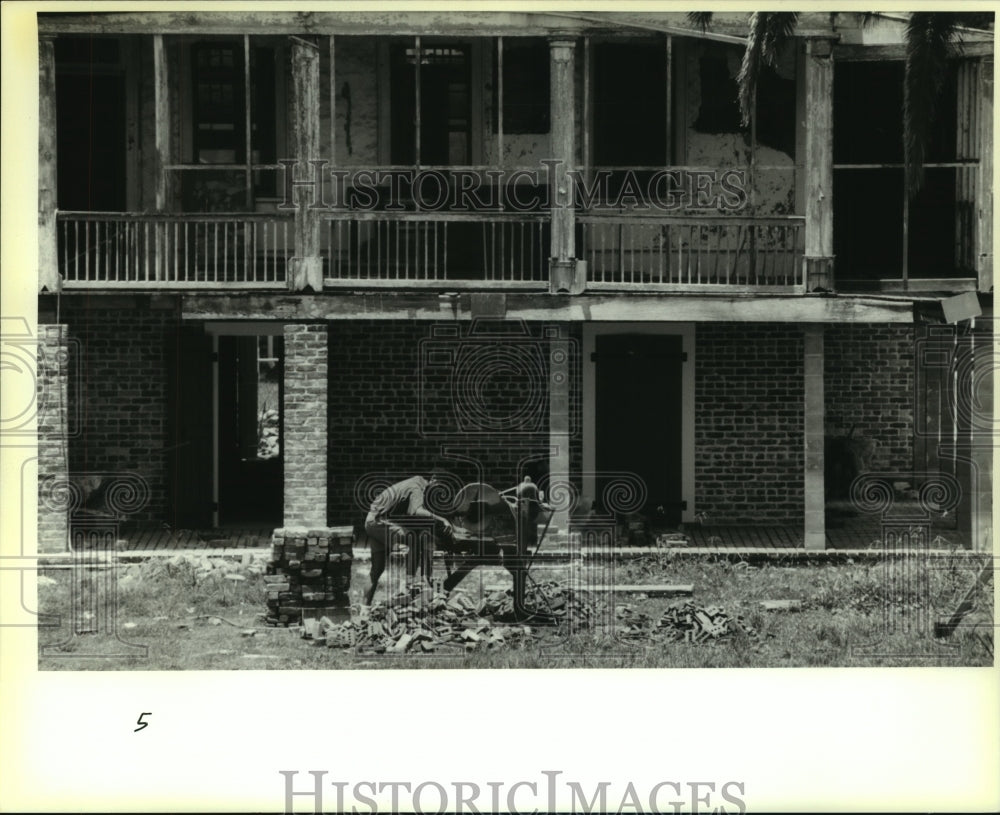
(545, 307)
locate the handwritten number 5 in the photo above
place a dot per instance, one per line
(141, 723)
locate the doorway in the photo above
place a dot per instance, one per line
(638, 413)
(444, 118)
(250, 430)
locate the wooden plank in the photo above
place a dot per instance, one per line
(48, 244)
(431, 305)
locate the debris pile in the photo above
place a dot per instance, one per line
(428, 622)
(687, 622)
(309, 574)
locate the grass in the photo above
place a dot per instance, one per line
(194, 613)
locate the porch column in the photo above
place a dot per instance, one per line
(818, 261)
(49, 278)
(815, 436)
(304, 412)
(559, 422)
(306, 268)
(161, 122)
(984, 186)
(562, 265)
(55, 497)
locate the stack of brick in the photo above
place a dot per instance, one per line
(309, 574)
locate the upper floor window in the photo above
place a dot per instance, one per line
(525, 90)
(219, 114)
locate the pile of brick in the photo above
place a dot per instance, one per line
(309, 574)
(430, 622)
(686, 622)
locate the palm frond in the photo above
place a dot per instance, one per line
(701, 19)
(928, 38)
(768, 34)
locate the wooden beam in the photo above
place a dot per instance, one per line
(551, 308)
(819, 165)
(49, 278)
(306, 267)
(815, 439)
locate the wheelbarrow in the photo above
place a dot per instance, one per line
(498, 528)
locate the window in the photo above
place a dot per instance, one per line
(525, 85)
(443, 120)
(219, 108)
(880, 232)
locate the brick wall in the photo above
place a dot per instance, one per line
(394, 408)
(121, 398)
(305, 413)
(749, 423)
(869, 383)
(52, 360)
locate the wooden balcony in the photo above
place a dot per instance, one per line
(432, 250)
(112, 250)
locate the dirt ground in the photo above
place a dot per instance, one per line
(196, 612)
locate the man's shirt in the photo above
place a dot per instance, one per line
(403, 497)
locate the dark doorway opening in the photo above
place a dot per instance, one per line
(90, 140)
(445, 104)
(638, 417)
(251, 473)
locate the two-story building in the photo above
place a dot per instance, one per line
(295, 254)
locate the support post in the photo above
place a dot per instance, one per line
(815, 438)
(49, 278)
(306, 267)
(161, 121)
(304, 409)
(559, 422)
(818, 260)
(984, 186)
(563, 273)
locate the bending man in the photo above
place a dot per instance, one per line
(400, 500)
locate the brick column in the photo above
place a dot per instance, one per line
(305, 424)
(54, 494)
(815, 439)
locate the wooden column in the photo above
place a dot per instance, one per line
(815, 437)
(559, 422)
(161, 122)
(306, 268)
(819, 165)
(984, 187)
(562, 265)
(49, 278)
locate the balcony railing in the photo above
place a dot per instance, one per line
(431, 248)
(165, 251)
(669, 253)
